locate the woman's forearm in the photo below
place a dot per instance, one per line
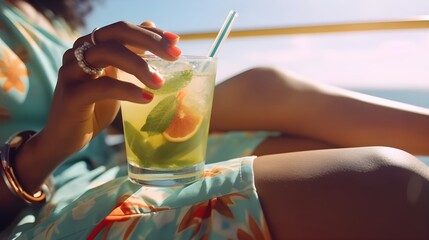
(37, 159)
(32, 165)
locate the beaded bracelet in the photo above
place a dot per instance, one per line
(7, 157)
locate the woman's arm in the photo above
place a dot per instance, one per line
(83, 104)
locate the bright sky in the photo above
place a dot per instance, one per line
(387, 59)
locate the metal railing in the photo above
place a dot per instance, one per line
(416, 23)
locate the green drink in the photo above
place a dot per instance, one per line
(166, 140)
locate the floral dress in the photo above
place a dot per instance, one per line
(93, 197)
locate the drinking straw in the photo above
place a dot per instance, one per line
(223, 33)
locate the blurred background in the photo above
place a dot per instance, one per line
(371, 61)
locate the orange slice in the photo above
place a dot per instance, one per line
(184, 125)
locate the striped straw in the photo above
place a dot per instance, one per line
(223, 33)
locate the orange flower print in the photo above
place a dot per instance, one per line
(211, 172)
(12, 68)
(128, 208)
(201, 213)
(256, 233)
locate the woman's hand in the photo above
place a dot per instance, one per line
(83, 104)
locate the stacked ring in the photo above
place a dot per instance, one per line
(93, 36)
(79, 54)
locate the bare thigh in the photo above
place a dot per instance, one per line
(289, 143)
(360, 193)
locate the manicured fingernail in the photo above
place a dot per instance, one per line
(174, 51)
(171, 36)
(157, 79)
(147, 24)
(147, 95)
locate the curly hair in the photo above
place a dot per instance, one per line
(72, 11)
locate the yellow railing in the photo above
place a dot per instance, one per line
(416, 23)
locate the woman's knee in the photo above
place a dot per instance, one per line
(266, 77)
(397, 162)
(366, 170)
(360, 191)
(402, 175)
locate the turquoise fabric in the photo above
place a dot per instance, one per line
(93, 197)
(105, 205)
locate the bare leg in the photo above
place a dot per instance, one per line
(266, 99)
(356, 193)
(289, 143)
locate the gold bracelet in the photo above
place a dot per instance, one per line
(7, 156)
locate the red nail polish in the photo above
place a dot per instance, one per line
(170, 36)
(174, 51)
(147, 95)
(157, 79)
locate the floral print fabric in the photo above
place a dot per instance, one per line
(224, 205)
(29, 61)
(93, 201)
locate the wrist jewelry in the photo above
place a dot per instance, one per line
(7, 157)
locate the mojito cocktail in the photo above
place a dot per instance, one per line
(166, 140)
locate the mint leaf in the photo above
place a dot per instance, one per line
(136, 142)
(175, 83)
(161, 115)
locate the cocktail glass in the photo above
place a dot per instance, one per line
(166, 140)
